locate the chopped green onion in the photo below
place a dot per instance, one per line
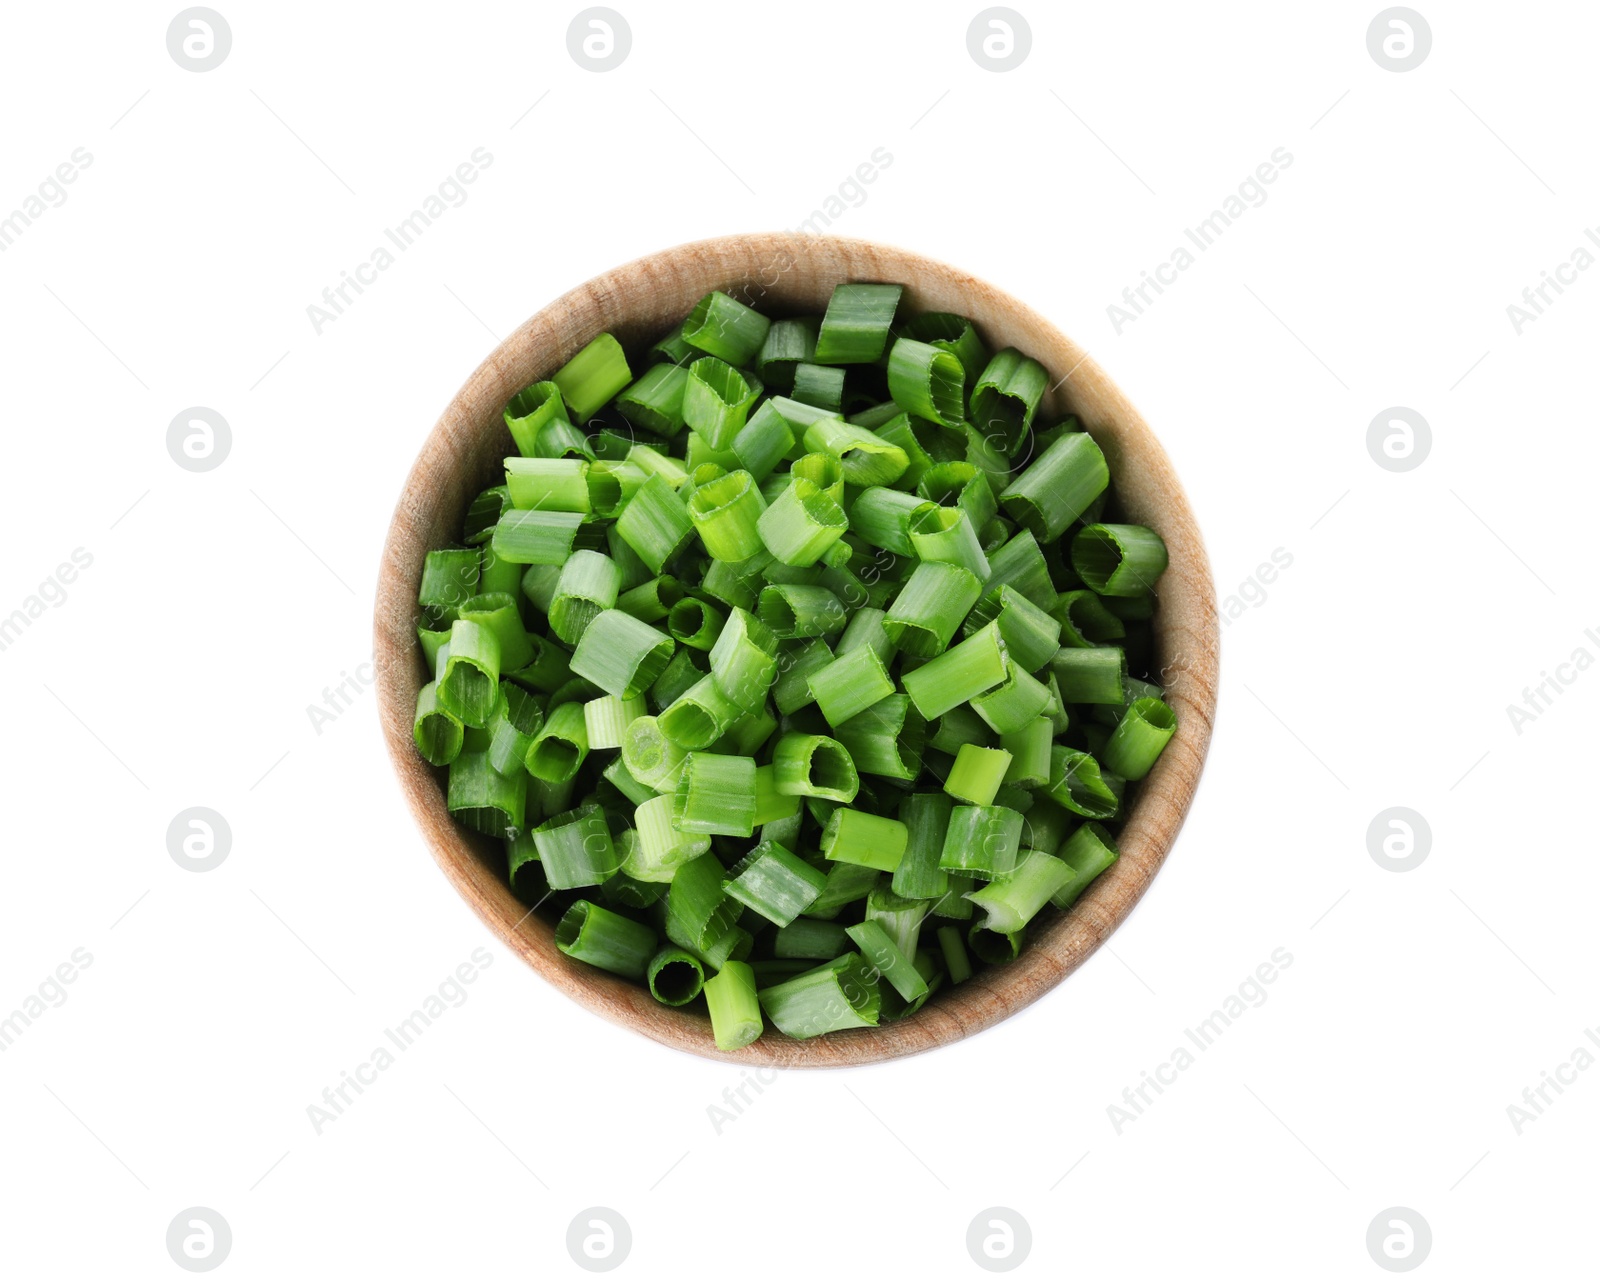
(734, 1007)
(926, 817)
(839, 994)
(660, 848)
(1032, 636)
(787, 344)
(698, 912)
(819, 386)
(763, 442)
(956, 963)
(716, 795)
(1091, 675)
(593, 376)
(653, 600)
(695, 623)
(810, 939)
(606, 719)
(958, 675)
(699, 715)
(1088, 851)
(888, 959)
(1139, 738)
(726, 512)
(982, 841)
(883, 517)
(674, 976)
(558, 750)
(655, 523)
(548, 484)
(717, 400)
(1029, 748)
(1119, 559)
(809, 764)
(620, 654)
(518, 718)
(886, 739)
(1077, 784)
(587, 587)
(1085, 620)
(618, 775)
(483, 798)
(484, 514)
(655, 402)
(847, 883)
(954, 334)
(1018, 699)
(792, 689)
(1013, 901)
(927, 381)
(536, 537)
(1006, 397)
(448, 578)
(977, 773)
(945, 535)
(774, 883)
(864, 839)
(1021, 564)
(865, 457)
(744, 659)
(576, 849)
(673, 348)
(437, 733)
(498, 612)
(851, 683)
(856, 328)
(929, 609)
(469, 688)
(791, 611)
(726, 328)
(992, 947)
(801, 523)
(649, 755)
(604, 939)
(530, 410)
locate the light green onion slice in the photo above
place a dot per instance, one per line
(448, 578)
(956, 962)
(536, 537)
(774, 883)
(927, 381)
(733, 1005)
(946, 535)
(593, 376)
(518, 718)
(437, 733)
(954, 334)
(1011, 704)
(726, 328)
(819, 386)
(469, 688)
(1077, 783)
(763, 442)
(978, 773)
(886, 739)
(1032, 636)
(484, 799)
(655, 402)
(586, 589)
(883, 518)
(982, 841)
(889, 960)
(810, 764)
(929, 609)
(498, 612)
(548, 484)
(1088, 851)
(695, 623)
(856, 328)
(653, 600)
(1058, 486)
(864, 457)
(1119, 559)
(699, 715)
(655, 523)
(852, 682)
(716, 795)
(575, 849)
(864, 839)
(560, 747)
(832, 997)
(606, 719)
(604, 939)
(620, 654)
(926, 817)
(698, 913)
(744, 660)
(530, 410)
(1029, 748)
(717, 400)
(1139, 738)
(801, 524)
(787, 344)
(958, 675)
(618, 775)
(1021, 564)
(847, 883)
(1013, 901)
(727, 512)
(660, 848)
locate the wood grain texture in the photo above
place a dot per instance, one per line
(786, 273)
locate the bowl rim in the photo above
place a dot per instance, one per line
(1185, 626)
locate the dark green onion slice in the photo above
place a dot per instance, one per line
(851, 683)
(620, 654)
(1119, 559)
(888, 959)
(1078, 784)
(956, 962)
(559, 749)
(927, 381)
(856, 328)
(1006, 397)
(926, 817)
(675, 977)
(819, 386)
(954, 334)
(530, 410)
(437, 733)
(448, 579)
(1088, 851)
(726, 513)
(788, 343)
(604, 939)
(1057, 487)
(655, 402)
(992, 947)
(576, 850)
(929, 610)
(726, 328)
(811, 764)
(1139, 738)
(832, 997)
(864, 457)
(586, 589)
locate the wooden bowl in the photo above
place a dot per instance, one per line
(789, 273)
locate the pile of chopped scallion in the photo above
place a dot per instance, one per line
(794, 670)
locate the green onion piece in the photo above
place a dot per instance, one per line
(1091, 675)
(498, 612)
(635, 790)
(808, 764)
(1057, 487)
(652, 601)
(819, 386)
(437, 733)
(735, 584)
(927, 381)
(883, 518)
(435, 646)
(622, 890)
(558, 438)
(699, 715)
(675, 977)
(1032, 636)
(855, 329)
(945, 535)
(587, 588)
(926, 963)
(524, 874)
(1021, 564)
(733, 944)
(559, 748)
(539, 585)
(717, 400)
(956, 963)
(801, 524)
(978, 773)
(982, 841)
(734, 1007)
(897, 430)
(660, 848)
(992, 947)
(1085, 620)
(763, 442)
(774, 883)
(823, 470)
(576, 850)
(888, 959)
(1014, 702)
(470, 686)
(1139, 738)
(518, 718)
(528, 412)
(929, 609)
(1045, 826)
(695, 623)
(808, 939)
(698, 913)
(847, 883)
(877, 417)
(685, 671)
(958, 726)
(864, 839)
(792, 611)
(548, 484)
(1088, 851)
(727, 513)
(792, 689)
(957, 675)
(1029, 748)
(1119, 559)
(851, 683)
(963, 485)
(697, 454)
(655, 523)
(1012, 902)
(606, 719)
(604, 939)
(900, 918)
(954, 334)
(593, 376)
(716, 795)
(483, 514)
(744, 659)
(773, 808)
(536, 537)
(611, 486)
(864, 457)
(448, 578)
(1006, 396)
(655, 402)
(1077, 784)
(839, 994)
(787, 344)
(620, 654)
(865, 628)
(886, 739)
(655, 463)
(726, 328)
(953, 906)
(673, 348)
(547, 671)
(926, 817)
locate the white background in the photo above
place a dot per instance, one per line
(1376, 672)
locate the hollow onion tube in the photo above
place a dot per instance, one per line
(864, 839)
(809, 764)
(618, 775)
(575, 848)
(744, 660)
(497, 611)
(698, 716)
(1013, 901)
(469, 688)
(560, 747)
(650, 756)
(1119, 559)
(698, 913)
(517, 719)
(819, 386)
(620, 654)
(792, 611)
(954, 334)
(901, 918)
(927, 381)
(763, 442)
(484, 799)
(437, 733)
(1091, 675)
(726, 328)
(823, 470)
(954, 953)
(536, 537)
(1029, 748)
(653, 600)
(717, 400)
(655, 523)
(774, 883)
(865, 458)
(678, 677)
(1078, 784)
(929, 609)
(604, 939)
(966, 486)
(726, 513)
(982, 841)
(957, 675)
(1139, 738)
(883, 517)
(716, 795)
(592, 376)
(733, 1005)
(1032, 636)
(607, 717)
(889, 960)
(673, 975)
(977, 774)
(855, 329)
(655, 402)
(548, 484)
(801, 523)
(792, 689)
(1018, 699)
(847, 883)
(926, 817)
(787, 344)
(1088, 851)
(1021, 564)
(852, 682)
(1006, 396)
(838, 994)
(886, 739)
(695, 623)
(587, 587)
(992, 947)
(1085, 620)
(945, 534)
(527, 413)
(747, 735)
